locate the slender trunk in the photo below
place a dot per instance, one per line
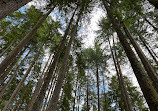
(50, 90)
(73, 105)
(1, 54)
(9, 6)
(155, 28)
(14, 27)
(105, 107)
(154, 2)
(126, 95)
(4, 64)
(53, 104)
(147, 47)
(153, 52)
(148, 67)
(14, 74)
(97, 75)
(38, 86)
(21, 82)
(87, 97)
(119, 80)
(20, 100)
(6, 73)
(148, 90)
(79, 102)
(44, 88)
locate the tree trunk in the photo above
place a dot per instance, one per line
(44, 88)
(53, 102)
(14, 74)
(6, 73)
(155, 28)
(126, 95)
(119, 81)
(4, 64)
(20, 100)
(9, 6)
(154, 2)
(148, 67)
(148, 90)
(21, 82)
(38, 86)
(147, 47)
(1, 54)
(97, 75)
(87, 97)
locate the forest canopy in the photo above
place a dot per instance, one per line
(50, 62)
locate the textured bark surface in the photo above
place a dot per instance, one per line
(11, 66)
(14, 74)
(38, 86)
(123, 96)
(38, 103)
(14, 94)
(9, 6)
(148, 67)
(148, 90)
(54, 100)
(148, 48)
(4, 64)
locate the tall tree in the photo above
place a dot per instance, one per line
(148, 90)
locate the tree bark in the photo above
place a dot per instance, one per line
(39, 100)
(147, 47)
(87, 96)
(21, 82)
(9, 6)
(5, 74)
(1, 54)
(155, 28)
(53, 102)
(14, 74)
(148, 67)
(148, 90)
(38, 86)
(4, 64)
(97, 75)
(123, 97)
(126, 95)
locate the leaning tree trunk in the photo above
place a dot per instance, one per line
(126, 95)
(155, 28)
(54, 100)
(148, 48)
(21, 98)
(1, 54)
(148, 90)
(14, 74)
(123, 97)
(9, 6)
(148, 67)
(21, 82)
(4, 64)
(39, 100)
(6, 73)
(38, 86)
(154, 2)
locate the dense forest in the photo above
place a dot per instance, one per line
(46, 63)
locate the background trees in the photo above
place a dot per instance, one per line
(45, 66)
